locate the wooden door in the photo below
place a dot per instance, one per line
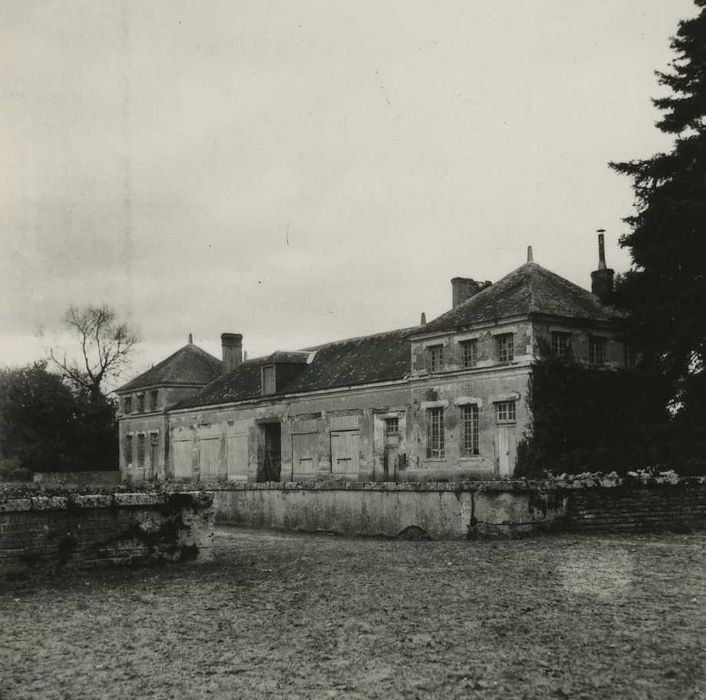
(506, 449)
(237, 457)
(209, 457)
(304, 453)
(345, 452)
(182, 451)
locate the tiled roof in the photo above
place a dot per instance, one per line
(189, 365)
(372, 358)
(530, 289)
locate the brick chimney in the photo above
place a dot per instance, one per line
(232, 351)
(602, 278)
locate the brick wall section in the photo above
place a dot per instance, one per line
(638, 508)
(41, 532)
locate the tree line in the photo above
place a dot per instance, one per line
(57, 414)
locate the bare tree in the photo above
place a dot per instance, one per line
(104, 347)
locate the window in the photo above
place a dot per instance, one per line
(392, 426)
(505, 412)
(268, 380)
(127, 404)
(141, 450)
(505, 347)
(469, 430)
(469, 353)
(596, 350)
(436, 357)
(561, 343)
(128, 449)
(630, 356)
(140, 403)
(154, 395)
(435, 432)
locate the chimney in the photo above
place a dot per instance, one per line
(423, 319)
(602, 278)
(232, 351)
(463, 288)
(530, 257)
(191, 339)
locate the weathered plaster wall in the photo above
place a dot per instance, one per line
(456, 511)
(226, 442)
(580, 335)
(439, 511)
(40, 532)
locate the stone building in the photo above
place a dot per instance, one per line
(443, 400)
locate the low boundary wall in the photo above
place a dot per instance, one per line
(435, 510)
(49, 532)
(95, 478)
(461, 510)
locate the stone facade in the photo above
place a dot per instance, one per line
(442, 401)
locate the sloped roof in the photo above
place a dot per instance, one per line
(364, 360)
(189, 365)
(530, 289)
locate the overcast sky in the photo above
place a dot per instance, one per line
(303, 171)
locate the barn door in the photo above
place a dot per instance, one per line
(345, 452)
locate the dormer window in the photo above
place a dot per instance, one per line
(561, 344)
(436, 357)
(269, 383)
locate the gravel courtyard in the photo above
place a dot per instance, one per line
(321, 616)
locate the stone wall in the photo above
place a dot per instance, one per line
(435, 510)
(457, 511)
(49, 532)
(95, 478)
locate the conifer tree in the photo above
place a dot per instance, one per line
(666, 288)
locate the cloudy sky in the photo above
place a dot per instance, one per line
(307, 170)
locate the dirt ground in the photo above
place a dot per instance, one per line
(286, 616)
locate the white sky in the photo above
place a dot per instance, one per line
(302, 171)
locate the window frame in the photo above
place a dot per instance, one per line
(128, 449)
(141, 449)
(154, 399)
(436, 443)
(469, 359)
(509, 409)
(141, 403)
(127, 405)
(505, 347)
(470, 433)
(435, 357)
(389, 422)
(629, 355)
(595, 342)
(561, 343)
